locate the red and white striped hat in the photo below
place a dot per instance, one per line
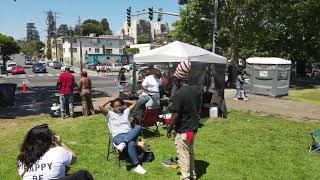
(183, 69)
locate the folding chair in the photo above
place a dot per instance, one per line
(114, 151)
(151, 117)
(315, 145)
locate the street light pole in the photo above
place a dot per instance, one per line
(215, 25)
(214, 22)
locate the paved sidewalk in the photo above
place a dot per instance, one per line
(295, 110)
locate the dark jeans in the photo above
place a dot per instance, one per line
(138, 110)
(79, 175)
(131, 138)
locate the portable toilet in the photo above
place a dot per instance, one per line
(268, 76)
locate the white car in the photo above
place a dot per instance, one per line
(63, 68)
(115, 67)
(128, 67)
(10, 65)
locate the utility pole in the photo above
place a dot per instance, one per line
(71, 46)
(80, 43)
(55, 34)
(215, 25)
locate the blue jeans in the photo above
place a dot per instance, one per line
(131, 138)
(64, 100)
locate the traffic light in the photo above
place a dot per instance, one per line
(160, 15)
(129, 16)
(151, 13)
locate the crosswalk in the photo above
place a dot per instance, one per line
(38, 75)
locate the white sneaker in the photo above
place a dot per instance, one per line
(121, 146)
(236, 99)
(139, 169)
(245, 99)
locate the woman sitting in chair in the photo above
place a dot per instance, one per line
(122, 133)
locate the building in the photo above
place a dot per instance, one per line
(107, 46)
(144, 31)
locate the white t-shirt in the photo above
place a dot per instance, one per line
(119, 122)
(151, 84)
(52, 165)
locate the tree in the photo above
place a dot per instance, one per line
(105, 26)
(144, 38)
(93, 26)
(63, 30)
(287, 29)
(132, 50)
(32, 32)
(49, 50)
(34, 47)
(8, 45)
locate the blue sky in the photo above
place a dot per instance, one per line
(14, 15)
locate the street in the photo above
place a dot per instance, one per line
(41, 88)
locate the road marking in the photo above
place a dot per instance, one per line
(40, 75)
(31, 75)
(50, 74)
(57, 74)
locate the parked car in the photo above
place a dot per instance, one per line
(38, 68)
(115, 67)
(56, 65)
(63, 68)
(128, 67)
(17, 70)
(91, 66)
(10, 65)
(29, 62)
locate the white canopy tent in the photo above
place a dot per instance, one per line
(177, 51)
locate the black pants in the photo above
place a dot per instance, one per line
(79, 175)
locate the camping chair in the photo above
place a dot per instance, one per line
(113, 150)
(151, 117)
(315, 145)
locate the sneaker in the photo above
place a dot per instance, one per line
(171, 163)
(140, 170)
(236, 99)
(120, 146)
(245, 99)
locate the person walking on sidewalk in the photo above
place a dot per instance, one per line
(98, 68)
(85, 93)
(185, 121)
(240, 85)
(65, 84)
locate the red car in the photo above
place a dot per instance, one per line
(17, 70)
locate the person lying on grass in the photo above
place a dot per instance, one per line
(122, 133)
(43, 155)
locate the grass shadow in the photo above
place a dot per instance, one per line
(201, 167)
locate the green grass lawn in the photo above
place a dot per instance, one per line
(244, 146)
(306, 95)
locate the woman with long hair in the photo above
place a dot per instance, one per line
(85, 88)
(43, 155)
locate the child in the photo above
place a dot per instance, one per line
(121, 131)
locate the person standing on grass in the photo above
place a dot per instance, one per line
(85, 93)
(65, 84)
(185, 121)
(122, 134)
(43, 155)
